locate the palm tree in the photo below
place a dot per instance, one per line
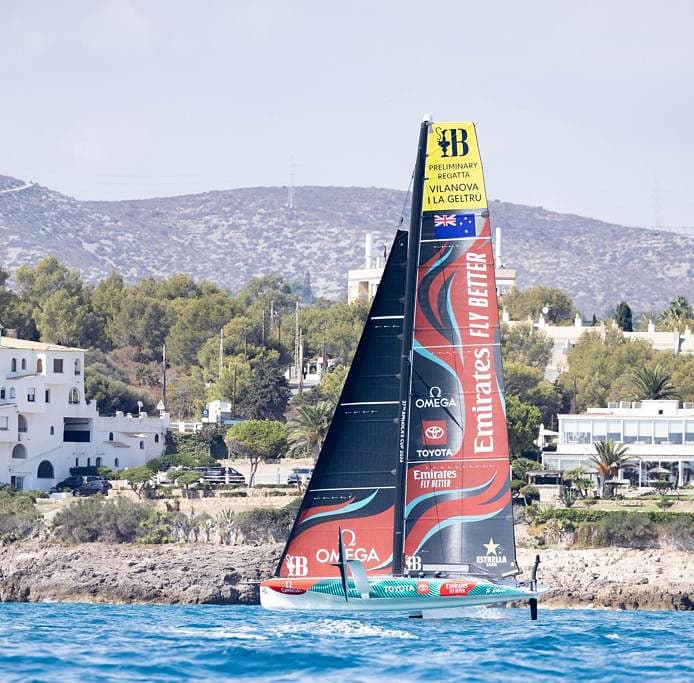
(308, 429)
(608, 458)
(653, 383)
(677, 313)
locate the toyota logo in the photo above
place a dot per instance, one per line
(434, 432)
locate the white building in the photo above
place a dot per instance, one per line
(362, 283)
(658, 434)
(565, 337)
(47, 427)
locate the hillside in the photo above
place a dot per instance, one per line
(229, 236)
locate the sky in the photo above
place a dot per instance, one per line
(583, 107)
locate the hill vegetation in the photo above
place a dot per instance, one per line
(230, 236)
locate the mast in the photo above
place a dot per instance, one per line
(407, 338)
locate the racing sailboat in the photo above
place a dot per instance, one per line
(409, 506)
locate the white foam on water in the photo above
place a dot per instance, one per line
(345, 628)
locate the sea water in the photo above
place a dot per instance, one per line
(79, 642)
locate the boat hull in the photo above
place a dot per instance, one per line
(388, 594)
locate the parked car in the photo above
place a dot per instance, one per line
(299, 476)
(221, 475)
(92, 485)
(69, 484)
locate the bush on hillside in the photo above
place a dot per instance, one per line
(119, 521)
(19, 517)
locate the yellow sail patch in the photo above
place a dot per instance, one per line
(453, 173)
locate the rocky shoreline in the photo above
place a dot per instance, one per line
(201, 573)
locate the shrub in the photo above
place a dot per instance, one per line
(529, 493)
(122, 521)
(664, 503)
(264, 525)
(19, 517)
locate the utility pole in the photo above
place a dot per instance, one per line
(233, 394)
(221, 351)
(163, 368)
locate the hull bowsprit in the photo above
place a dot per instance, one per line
(388, 594)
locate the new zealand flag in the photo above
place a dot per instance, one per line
(454, 225)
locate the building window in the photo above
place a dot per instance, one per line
(74, 396)
(156, 438)
(689, 432)
(98, 461)
(142, 445)
(45, 470)
(576, 432)
(117, 462)
(110, 436)
(24, 363)
(13, 394)
(19, 452)
(31, 395)
(17, 482)
(78, 368)
(48, 395)
(13, 365)
(77, 462)
(52, 430)
(22, 426)
(39, 365)
(4, 423)
(58, 365)
(89, 462)
(675, 432)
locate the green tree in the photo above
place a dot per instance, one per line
(257, 440)
(532, 302)
(623, 317)
(308, 428)
(143, 323)
(138, 478)
(653, 383)
(524, 344)
(523, 422)
(331, 384)
(198, 320)
(609, 458)
(600, 368)
(266, 393)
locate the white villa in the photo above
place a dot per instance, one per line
(564, 337)
(363, 282)
(659, 436)
(47, 427)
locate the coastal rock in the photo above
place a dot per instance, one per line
(95, 572)
(197, 573)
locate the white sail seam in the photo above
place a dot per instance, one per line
(371, 403)
(355, 488)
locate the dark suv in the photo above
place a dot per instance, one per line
(92, 485)
(69, 484)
